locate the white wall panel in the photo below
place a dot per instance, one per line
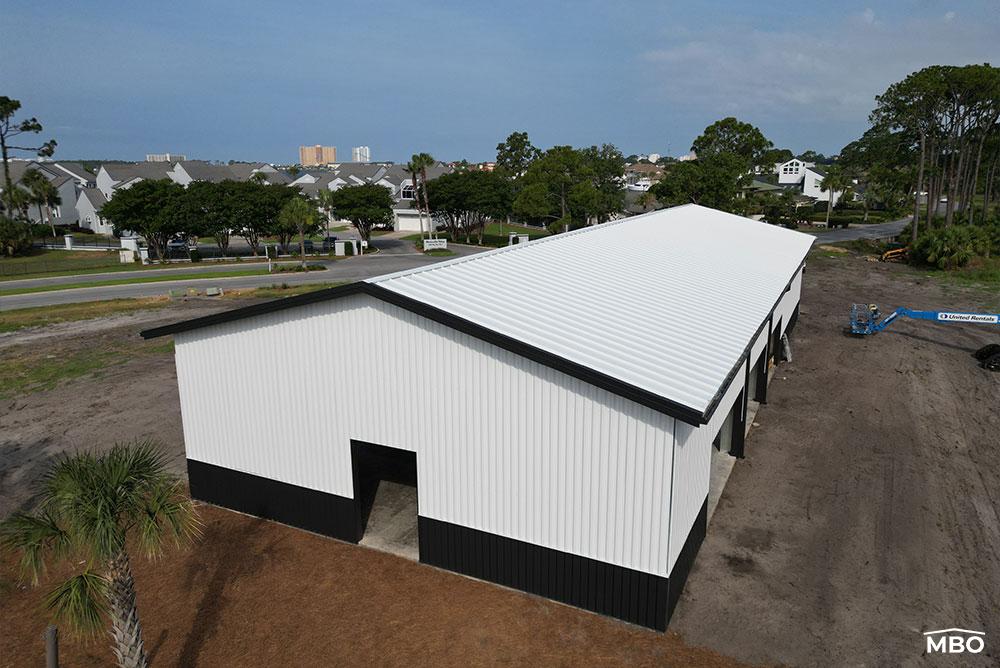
(503, 444)
(693, 466)
(789, 301)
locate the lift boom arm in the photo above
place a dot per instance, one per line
(865, 317)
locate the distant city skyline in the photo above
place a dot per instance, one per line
(204, 79)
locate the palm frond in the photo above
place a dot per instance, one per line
(80, 601)
(34, 536)
(167, 512)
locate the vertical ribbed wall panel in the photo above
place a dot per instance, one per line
(504, 445)
(789, 301)
(693, 466)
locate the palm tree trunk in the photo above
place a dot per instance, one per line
(431, 232)
(829, 207)
(125, 627)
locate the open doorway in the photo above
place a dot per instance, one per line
(385, 495)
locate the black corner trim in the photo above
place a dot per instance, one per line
(310, 509)
(685, 560)
(616, 591)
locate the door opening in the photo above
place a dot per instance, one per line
(385, 497)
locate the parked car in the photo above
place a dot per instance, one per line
(328, 243)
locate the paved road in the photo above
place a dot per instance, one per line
(350, 269)
(878, 231)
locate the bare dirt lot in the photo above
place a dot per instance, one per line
(864, 513)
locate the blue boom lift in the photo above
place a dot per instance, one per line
(867, 319)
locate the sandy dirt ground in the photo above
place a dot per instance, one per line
(864, 513)
(866, 509)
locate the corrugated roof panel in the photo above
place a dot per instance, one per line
(665, 301)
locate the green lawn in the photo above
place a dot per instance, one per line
(128, 281)
(495, 235)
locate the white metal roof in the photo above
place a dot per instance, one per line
(665, 301)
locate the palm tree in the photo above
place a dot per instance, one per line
(92, 508)
(836, 181)
(425, 160)
(42, 193)
(413, 169)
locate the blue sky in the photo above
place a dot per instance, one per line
(253, 80)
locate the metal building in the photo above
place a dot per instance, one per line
(555, 403)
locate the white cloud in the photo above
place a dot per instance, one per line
(828, 74)
(949, 17)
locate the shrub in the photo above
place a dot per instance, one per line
(951, 247)
(348, 248)
(15, 237)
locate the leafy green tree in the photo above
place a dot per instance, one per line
(607, 166)
(514, 154)
(204, 208)
(151, 208)
(733, 137)
(781, 209)
(714, 181)
(465, 201)
(252, 210)
(9, 129)
(42, 194)
(93, 509)
(776, 156)
(298, 216)
(561, 187)
(367, 206)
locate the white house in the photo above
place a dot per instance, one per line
(567, 439)
(807, 178)
(88, 208)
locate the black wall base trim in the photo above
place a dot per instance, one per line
(634, 596)
(327, 514)
(682, 567)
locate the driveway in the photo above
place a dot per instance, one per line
(877, 231)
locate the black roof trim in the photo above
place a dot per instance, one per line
(543, 357)
(714, 404)
(570, 368)
(257, 309)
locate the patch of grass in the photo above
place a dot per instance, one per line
(983, 272)
(129, 281)
(495, 235)
(44, 261)
(277, 290)
(29, 371)
(439, 252)
(11, 321)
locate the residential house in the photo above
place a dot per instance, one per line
(806, 178)
(61, 214)
(88, 208)
(116, 176)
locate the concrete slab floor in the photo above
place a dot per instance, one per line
(392, 524)
(722, 466)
